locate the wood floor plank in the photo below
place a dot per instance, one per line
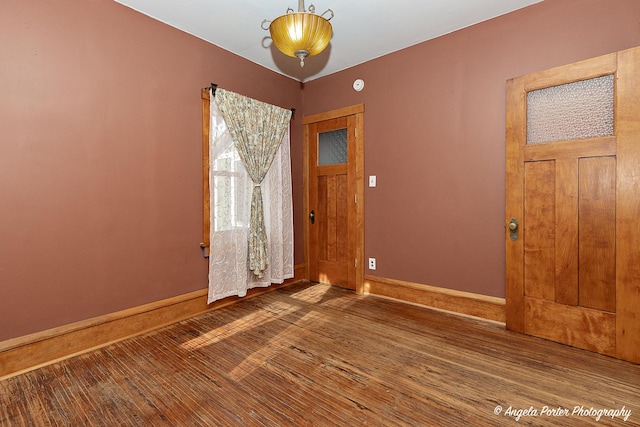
(316, 355)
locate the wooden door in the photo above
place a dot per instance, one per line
(573, 204)
(334, 197)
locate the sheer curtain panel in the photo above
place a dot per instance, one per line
(239, 203)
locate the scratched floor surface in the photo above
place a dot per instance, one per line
(315, 355)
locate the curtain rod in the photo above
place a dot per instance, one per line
(214, 86)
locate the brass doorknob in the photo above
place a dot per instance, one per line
(513, 229)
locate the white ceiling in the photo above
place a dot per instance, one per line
(362, 30)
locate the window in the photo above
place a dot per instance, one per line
(228, 190)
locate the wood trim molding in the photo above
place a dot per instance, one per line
(333, 114)
(22, 354)
(356, 242)
(628, 208)
(206, 190)
(467, 303)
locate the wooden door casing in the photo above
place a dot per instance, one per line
(573, 275)
(335, 242)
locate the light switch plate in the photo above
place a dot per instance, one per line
(372, 180)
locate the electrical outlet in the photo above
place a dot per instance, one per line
(372, 263)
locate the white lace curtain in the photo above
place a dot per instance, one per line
(231, 272)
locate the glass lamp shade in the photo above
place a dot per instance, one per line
(300, 34)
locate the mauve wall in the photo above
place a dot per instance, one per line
(100, 179)
(434, 134)
(100, 158)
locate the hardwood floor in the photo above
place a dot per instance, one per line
(323, 356)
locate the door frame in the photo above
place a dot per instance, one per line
(356, 244)
(625, 65)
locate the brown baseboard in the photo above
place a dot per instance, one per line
(32, 351)
(470, 304)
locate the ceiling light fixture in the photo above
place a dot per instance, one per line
(300, 34)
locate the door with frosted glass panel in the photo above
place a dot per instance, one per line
(573, 204)
(331, 198)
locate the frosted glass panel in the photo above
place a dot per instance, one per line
(332, 147)
(577, 110)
